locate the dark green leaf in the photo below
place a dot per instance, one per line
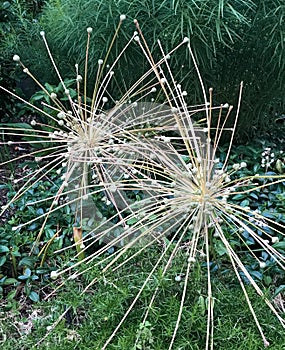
(34, 296)
(4, 249)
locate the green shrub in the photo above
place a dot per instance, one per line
(15, 17)
(232, 41)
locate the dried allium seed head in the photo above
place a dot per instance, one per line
(42, 33)
(122, 17)
(89, 30)
(178, 278)
(53, 275)
(274, 239)
(61, 115)
(262, 264)
(16, 58)
(191, 259)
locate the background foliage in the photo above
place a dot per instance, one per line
(232, 40)
(16, 17)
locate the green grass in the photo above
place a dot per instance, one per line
(96, 314)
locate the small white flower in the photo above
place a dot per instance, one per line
(60, 122)
(25, 70)
(236, 166)
(153, 89)
(53, 96)
(122, 17)
(66, 91)
(163, 80)
(9, 143)
(137, 38)
(105, 99)
(42, 33)
(49, 328)
(33, 122)
(185, 40)
(79, 78)
(16, 58)
(243, 165)
(89, 30)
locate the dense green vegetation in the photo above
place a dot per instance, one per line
(185, 234)
(231, 40)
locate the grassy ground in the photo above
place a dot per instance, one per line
(95, 315)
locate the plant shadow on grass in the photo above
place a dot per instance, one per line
(93, 317)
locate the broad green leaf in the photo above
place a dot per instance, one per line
(34, 296)
(4, 249)
(3, 260)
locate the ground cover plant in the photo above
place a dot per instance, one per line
(147, 165)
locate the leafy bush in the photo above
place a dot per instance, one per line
(232, 41)
(15, 16)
